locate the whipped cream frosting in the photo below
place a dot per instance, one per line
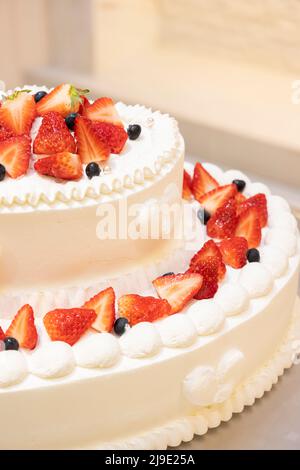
(274, 259)
(97, 351)
(283, 239)
(13, 368)
(142, 340)
(177, 331)
(52, 360)
(232, 298)
(256, 279)
(207, 316)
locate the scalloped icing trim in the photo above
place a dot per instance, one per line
(48, 192)
(183, 429)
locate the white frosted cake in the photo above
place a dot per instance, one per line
(132, 340)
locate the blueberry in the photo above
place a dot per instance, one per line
(39, 95)
(92, 170)
(2, 172)
(203, 216)
(120, 326)
(240, 184)
(11, 343)
(253, 255)
(168, 274)
(134, 131)
(70, 120)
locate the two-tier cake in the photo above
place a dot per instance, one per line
(140, 303)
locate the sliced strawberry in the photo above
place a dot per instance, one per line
(53, 136)
(64, 99)
(18, 112)
(63, 165)
(209, 271)
(90, 146)
(103, 109)
(5, 133)
(84, 104)
(104, 306)
(234, 251)
(216, 198)
(249, 227)
(114, 137)
(178, 289)
(239, 198)
(223, 223)
(2, 335)
(203, 182)
(15, 155)
(209, 250)
(138, 309)
(259, 201)
(187, 186)
(68, 325)
(23, 329)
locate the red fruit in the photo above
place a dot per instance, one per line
(209, 250)
(64, 99)
(23, 329)
(5, 133)
(187, 186)
(138, 309)
(84, 104)
(248, 226)
(223, 223)
(15, 155)
(53, 136)
(234, 251)
(90, 146)
(259, 201)
(209, 271)
(63, 165)
(18, 112)
(178, 289)
(104, 306)
(203, 182)
(68, 325)
(216, 198)
(2, 335)
(114, 137)
(239, 198)
(103, 110)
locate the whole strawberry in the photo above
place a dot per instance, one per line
(68, 325)
(53, 136)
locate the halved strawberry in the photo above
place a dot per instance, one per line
(64, 99)
(90, 147)
(2, 335)
(259, 201)
(139, 309)
(18, 112)
(103, 109)
(223, 223)
(104, 306)
(248, 226)
(187, 186)
(203, 182)
(23, 329)
(5, 133)
(209, 250)
(234, 251)
(53, 136)
(15, 155)
(239, 198)
(63, 165)
(68, 325)
(84, 104)
(216, 198)
(178, 289)
(209, 271)
(114, 137)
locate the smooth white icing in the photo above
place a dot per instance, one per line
(177, 331)
(274, 259)
(13, 368)
(256, 279)
(232, 298)
(97, 350)
(52, 360)
(283, 239)
(207, 316)
(142, 340)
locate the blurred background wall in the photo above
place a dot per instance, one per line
(225, 68)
